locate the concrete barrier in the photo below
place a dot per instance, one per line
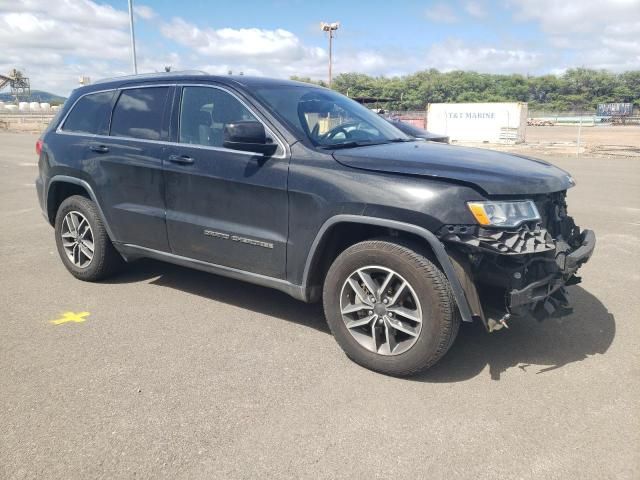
(14, 120)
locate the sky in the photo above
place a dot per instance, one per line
(54, 42)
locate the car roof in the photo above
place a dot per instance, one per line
(190, 76)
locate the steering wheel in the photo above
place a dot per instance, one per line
(342, 128)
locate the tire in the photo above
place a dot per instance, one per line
(105, 259)
(433, 299)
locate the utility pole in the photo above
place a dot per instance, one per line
(133, 39)
(330, 27)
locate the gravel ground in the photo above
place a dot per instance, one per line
(562, 141)
(179, 374)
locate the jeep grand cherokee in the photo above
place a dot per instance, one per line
(299, 188)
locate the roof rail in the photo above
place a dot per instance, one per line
(143, 76)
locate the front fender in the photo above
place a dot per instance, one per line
(436, 245)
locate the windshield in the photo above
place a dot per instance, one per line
(328, 119)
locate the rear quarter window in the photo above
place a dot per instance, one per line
(90, 114)
(139, 113)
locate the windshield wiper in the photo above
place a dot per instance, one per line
(401, 140)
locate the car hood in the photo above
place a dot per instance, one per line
(495, 173)
(433, 137)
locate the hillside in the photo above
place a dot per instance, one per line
(36, 96)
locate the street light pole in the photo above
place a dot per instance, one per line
(330, 28)
(133, 39)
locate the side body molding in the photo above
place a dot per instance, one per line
(87, 187)
(435, 244)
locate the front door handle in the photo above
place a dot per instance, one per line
(99, 148)
(181, 159)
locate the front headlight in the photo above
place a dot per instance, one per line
(504, 214)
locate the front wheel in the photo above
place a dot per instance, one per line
(389, 307)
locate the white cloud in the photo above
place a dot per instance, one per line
(39, 31)
(275, 53)
(475, 9)
(56, 41)
(598, 34)
(144, 11)
(244, 43)
(440, 13)
(69, 11)
(456, 55)
(577, 16)
(253, 51)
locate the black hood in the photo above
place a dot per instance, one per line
(495, 173)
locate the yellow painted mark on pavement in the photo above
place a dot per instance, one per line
(71, 317)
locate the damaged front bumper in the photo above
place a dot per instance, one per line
(547, 296)
(520, 272)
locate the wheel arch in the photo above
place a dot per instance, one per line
(323, 250)
(61, 187)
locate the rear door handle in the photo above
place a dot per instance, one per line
(99, 148)
(181, 159)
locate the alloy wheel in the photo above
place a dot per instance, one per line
(381, 310)
(77, 239)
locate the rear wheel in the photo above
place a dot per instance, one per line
(82, 240)
(389, 307)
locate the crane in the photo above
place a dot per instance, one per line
(19, 84)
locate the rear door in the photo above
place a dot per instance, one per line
(225, 207)
(74, 139)
(130, 167)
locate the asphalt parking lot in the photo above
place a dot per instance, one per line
(180, 374)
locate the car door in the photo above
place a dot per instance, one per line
(129, 172)
(225, 207)
(87, 119)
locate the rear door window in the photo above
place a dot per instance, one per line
(139, 113)
(90, 114)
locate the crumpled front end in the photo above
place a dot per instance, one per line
(523, 271)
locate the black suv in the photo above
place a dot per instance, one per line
(299, 188)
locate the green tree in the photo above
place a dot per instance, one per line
(576, 89)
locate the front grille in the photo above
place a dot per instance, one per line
(528, 238)
(555, 219)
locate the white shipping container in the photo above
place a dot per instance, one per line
(34, 106)
(23, 106)
(45, 106)
(11, 107)
(479, 122)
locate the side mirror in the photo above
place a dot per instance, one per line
(248, 136)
